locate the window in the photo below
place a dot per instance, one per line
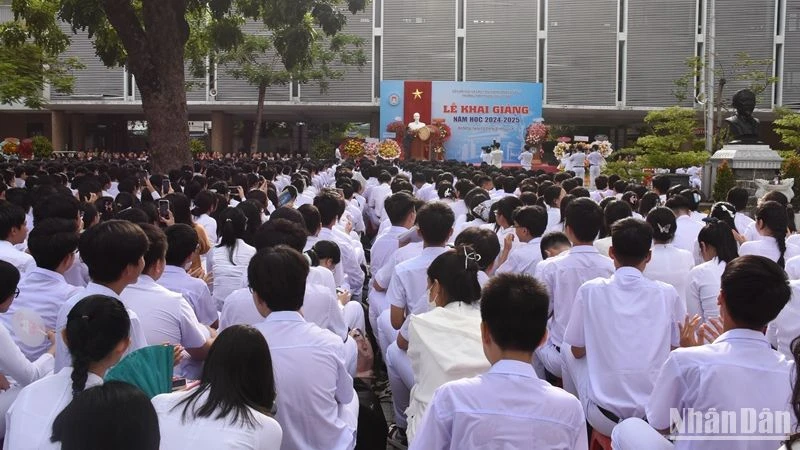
(621, 72)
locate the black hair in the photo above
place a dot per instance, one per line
(398, 206)
(694, 198)
(505, 207)
(290, 214)
(647, 202)
(329, 207)
(234, 224)
(532, 218)
(204, 202)
(51, 241)
(95, 326)
(613, 211)
(237, 375)
(456, 271)
(157, 248)
(484, 242)
(278, 275)
(773, 215)
(738, 197)
(11, 216)
(280, 232)
(795, 402)
(663, 222)
(133, 215)
(551, 194)
(110, 247)
(601, 182)
(585, 218)
(311, 218)
(119, 415)
(756, 289)
(514, 308)
(552, 240)
(474, 198)
(182, 241)
(56, 206)
(251, 210)
(724, 212)
(661, 183)
(631, 240)
(9, 279)
(326, 250)
(679, 202)
(718, 234)
(180, 205)
(435, 221)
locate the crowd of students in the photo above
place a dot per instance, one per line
(507, 308)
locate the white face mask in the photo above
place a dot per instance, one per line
(432, 302)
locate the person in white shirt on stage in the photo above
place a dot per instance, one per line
(98, 332)
(526, 157)
(114, 251)
(578, 162)
(497, 155)
(668, 264)
(14, 231)
(529, 225)
(182, 245)
(596, 161)
(772, 223)
(316, 403)
(718, 248)
(687, 228)
(232, 406)
(507, 404)
(52, 244)
(565, 273)
(165, 316)
(621, 331)
(737, 372)
(227, 262)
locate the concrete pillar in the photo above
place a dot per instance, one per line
(58, 124)
(374, 126)
(228, 134)
(218, 132)
(78, 132)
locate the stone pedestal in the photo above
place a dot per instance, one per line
(748, 161)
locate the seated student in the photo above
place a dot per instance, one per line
(738, 197)
(564, 274)
(227, 262)
(667, 263)
(687, 228)
(52, 244)
(165, 316)
(529, 224)
(231, 406)
(737, 372)
(98, 332)
(718, 248)
(508, 404)
(485, 243)
(114, 252)
(14, 231)
(317, 406)
(613, 211)
(444, 344)
(772, 223)
(182, 245)
(554, 244)
(328, 255)
(621, 331)
(119, 415)
(331, 207)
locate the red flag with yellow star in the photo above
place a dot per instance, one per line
(417, 98)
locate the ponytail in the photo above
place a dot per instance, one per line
(234, 224)
(719, 235)
(457, 272)
(775, 218)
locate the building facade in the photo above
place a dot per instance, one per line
(603, 63)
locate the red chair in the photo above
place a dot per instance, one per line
(599, 441)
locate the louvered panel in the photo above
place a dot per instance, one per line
(746, 27)
(582, 52)
(231, 89)
(5, 13)
(419, 40)
(791, 52)
(196, 90)
(501, 40)
(661, 37)
(95, 79)
(356, 86)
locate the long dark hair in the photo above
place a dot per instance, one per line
(251, 210)
(9, 279)
(95, 325)
(204, 202)
(237, 375)
(234, 225)
(457, 272)
(719, 235)
(663, 222)
(180, 206)
(795, 390)
(773, 216)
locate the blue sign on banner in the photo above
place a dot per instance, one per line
(476, 112)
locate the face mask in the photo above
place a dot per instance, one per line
(431, 303)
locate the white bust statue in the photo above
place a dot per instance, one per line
(416, 124)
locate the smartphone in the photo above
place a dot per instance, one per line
(163, 208)
(165, 186)
(178, 383)
(284, 199)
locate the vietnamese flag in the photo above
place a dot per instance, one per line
(417, 98)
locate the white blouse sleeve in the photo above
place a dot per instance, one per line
(14, 364)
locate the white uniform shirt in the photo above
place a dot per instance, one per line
(686, 235)
(29, 422)
(19, 259)
(703, 289)
(670, 265)
(523, 258)
(578, 159)
(737, 371)
(43, 292)
(497, 158)
(349, 259)
(313, 382)
(194, 290)
(384, 247)
(63, 357)
(767, 247)
(553, 216)
(595, 158)
(525, 159)
(793, 268)
(378, 196)
(563, 275)
(410, 282)
(15, 365)
(742, 222)
(627, 324)
(209, 225)
(210, 432)
(228, 275)
(786, 326)
(507, 407)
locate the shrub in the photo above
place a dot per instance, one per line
(724, 182)
(42, 147)
(627, 170)
(321, 150)
(197, 146)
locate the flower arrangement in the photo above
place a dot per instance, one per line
(371, 150)
(536, 134)
(10, 146)
(396, 127)
(605, 148)
(441, 134)
(25, 149)
(353, 148)
(561, 149)
(389, 149)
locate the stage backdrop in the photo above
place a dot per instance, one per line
(477, 112)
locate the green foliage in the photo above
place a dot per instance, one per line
(627, 170)
(756, 73)
(787, 126)
(321, 149)
(791, 169)
(724, 182)
(624, 154)
(42, 147)
(197, 146)
(787, 153)
(670, 130)
(672, 161)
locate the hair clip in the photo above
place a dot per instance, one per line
(470, 256)
(664, 228)
(228, 220)
(696, 197)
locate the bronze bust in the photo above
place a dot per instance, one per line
(743, 126)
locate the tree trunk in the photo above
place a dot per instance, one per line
(262, 93)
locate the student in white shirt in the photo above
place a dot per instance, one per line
(668, 264)
(316, 403)
(577, 162)
(737, 372)
(227, 262)
(687, 227)
(378, 195)
(231, 408)
(444, 344)
(739, 197)
(526, 157)
(504, 216)
(772, 223)
(496, 156)
(508, 404)
(554, 244)
(552, 200)
(98, 332)
(331, 207)
(621, 331)
(14, 231)
(52, 244)
(182, 245)
(529, 225)
(596, 160)
(565, 273)
(718, 248)
(614, 210)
